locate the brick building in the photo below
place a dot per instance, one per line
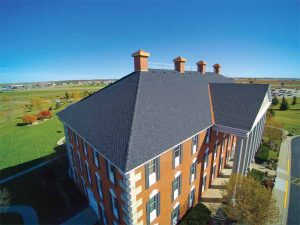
(145, 149)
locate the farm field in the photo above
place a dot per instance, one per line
(275, 83)
(19, 143)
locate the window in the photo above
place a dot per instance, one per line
(217, 133)
(83, 185)
(175, 215)
(204, 183)
(103, 214)
(76, 139)
(152, 170)
(111, 172)
(88, 171)
(193, 171)
(84, 147)
(153, 207)
(176, 187)
(99, 185)
(223, 144)
(96, 157)
(194, 144)
(114, 203)
(216, 150)
(191, 198)
(177, 155)
(207, 136)
(79, 160)
(205, 160)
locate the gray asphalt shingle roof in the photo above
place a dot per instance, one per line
(146, 113)
(240, 106)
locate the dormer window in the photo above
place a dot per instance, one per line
(177, 156)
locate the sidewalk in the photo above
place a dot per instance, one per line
(282, 184)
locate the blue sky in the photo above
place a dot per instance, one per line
(61, 40)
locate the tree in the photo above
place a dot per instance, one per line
(284, 104)
(248, 202)
(294, 100)
(45, 114)
(67, 95)
(273, 130)
(29, 119)
(4, 199)
(275, 101)
(270, 112)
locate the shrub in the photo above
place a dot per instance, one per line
(294, 100)
(45, 114)
(199, 215)
(275, 101)
(257, 175)
(29, 119)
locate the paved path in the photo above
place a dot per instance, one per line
(294, 204)
(86, 216)
(281, 189)
(29, 169)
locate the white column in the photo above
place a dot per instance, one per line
(239, 162)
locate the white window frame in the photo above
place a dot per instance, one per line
(177, 216)
(83, 185)
(194, 145)
(193, 175)
(80, 163)
(191, 200)
(99, 185)
(177, 158)
(153, 213)
(88, 171)
(111, 173)
(216, 150)
(203, 187)
(103, 214)
(115, 209)
(84, 147)
(96, 157)
(206, 154)
(76, 139)
(176, 191)
(152, 175)
(207, 136)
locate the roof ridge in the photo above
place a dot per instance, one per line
(132, 121)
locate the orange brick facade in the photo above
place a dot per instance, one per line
(125, 184)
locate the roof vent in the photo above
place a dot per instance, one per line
(201, 67)
(217, 68)
(140, 60)
(179, 64)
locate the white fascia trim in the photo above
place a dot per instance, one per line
(68, 126)
(176, 205)
(153, 193)
(230, 130)
(177, 174)
(170, 149)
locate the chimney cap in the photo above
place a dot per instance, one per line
(140, 52)
(217, 65)
(201, 62)
(179, 59)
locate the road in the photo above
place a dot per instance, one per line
(294, 204)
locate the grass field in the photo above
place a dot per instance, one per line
(20, 144)
(290, 118)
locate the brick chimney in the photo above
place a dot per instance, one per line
(217, 68)
(179, 64)
(140, 60)
(201, 67)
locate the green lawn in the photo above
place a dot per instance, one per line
(290, 118)
(20, 144)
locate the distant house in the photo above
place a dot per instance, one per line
(145, 149)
